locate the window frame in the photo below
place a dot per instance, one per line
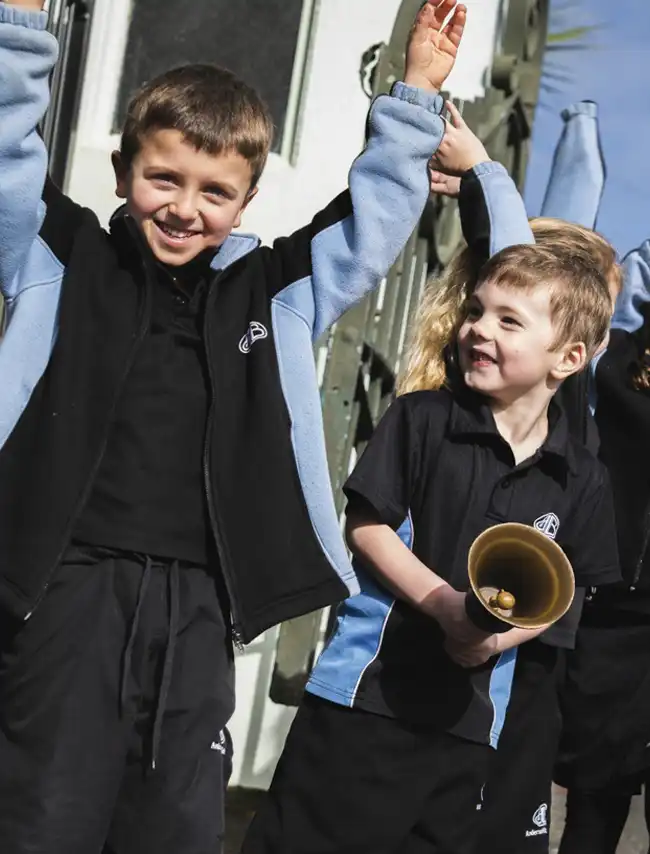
(108, 42)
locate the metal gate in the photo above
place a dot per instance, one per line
(363, 350)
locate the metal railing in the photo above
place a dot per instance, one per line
(69, 21)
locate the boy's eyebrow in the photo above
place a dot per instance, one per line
(227, 188)
(502, 307)
(223, 185)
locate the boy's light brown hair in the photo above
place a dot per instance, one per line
(557, 233)
(578, 264)
(211, 107)
(581, 306)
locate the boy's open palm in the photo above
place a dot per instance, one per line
(432, 46)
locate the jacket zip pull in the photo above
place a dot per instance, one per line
(644, 547)
(236, 635)
(41, 596)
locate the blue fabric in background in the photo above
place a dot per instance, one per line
(610, 65)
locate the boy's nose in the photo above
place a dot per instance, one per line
(481, 329)
(183, 207)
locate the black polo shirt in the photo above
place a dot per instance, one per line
(149, 494)
(440, 460)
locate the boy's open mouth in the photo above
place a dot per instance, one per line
(480, 358)
(174, 233)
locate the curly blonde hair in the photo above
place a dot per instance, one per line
(442, 307)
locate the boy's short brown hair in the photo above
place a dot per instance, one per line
(213, 109)
(571, 237)
(581, 305)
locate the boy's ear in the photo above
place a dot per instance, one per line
(121, 175)
(573, 359)
(250, 195)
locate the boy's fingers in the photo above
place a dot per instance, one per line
(426, 17)
(449, 128)
(443, 185)
(457, 121)
(442, 190)
(441, 10)
(424, 20)
(455, 28)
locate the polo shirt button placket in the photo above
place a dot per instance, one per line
(501, 500)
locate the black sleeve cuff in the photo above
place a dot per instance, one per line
(360, 496)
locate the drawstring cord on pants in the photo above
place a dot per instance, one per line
(173, 579)
(163, 692)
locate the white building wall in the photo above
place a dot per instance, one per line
(331, 128)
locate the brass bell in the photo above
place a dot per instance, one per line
(519, 578)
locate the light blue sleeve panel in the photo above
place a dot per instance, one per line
(31, 330)
(389, 187)
(27, 56)
(635, 292)
(492, 211)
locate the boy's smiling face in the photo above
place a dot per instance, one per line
(183, 200)
(507, 343)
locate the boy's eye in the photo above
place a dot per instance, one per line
(216, 191)
(164, 178)
(473, 311)
(510, 321)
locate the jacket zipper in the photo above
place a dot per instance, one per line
(146, 312)
(646, 539)
(213, 514)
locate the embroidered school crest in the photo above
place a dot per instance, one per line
(540, 817)
(548, 524)
(255, 332)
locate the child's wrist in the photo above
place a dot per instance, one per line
(500, 644)
(418, 81)
(477, 161)
(435, 603)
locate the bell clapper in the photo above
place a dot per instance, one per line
(502, 600)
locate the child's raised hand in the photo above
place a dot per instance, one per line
(460, 148)
(432, 48)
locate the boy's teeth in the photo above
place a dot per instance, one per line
(174, 232)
